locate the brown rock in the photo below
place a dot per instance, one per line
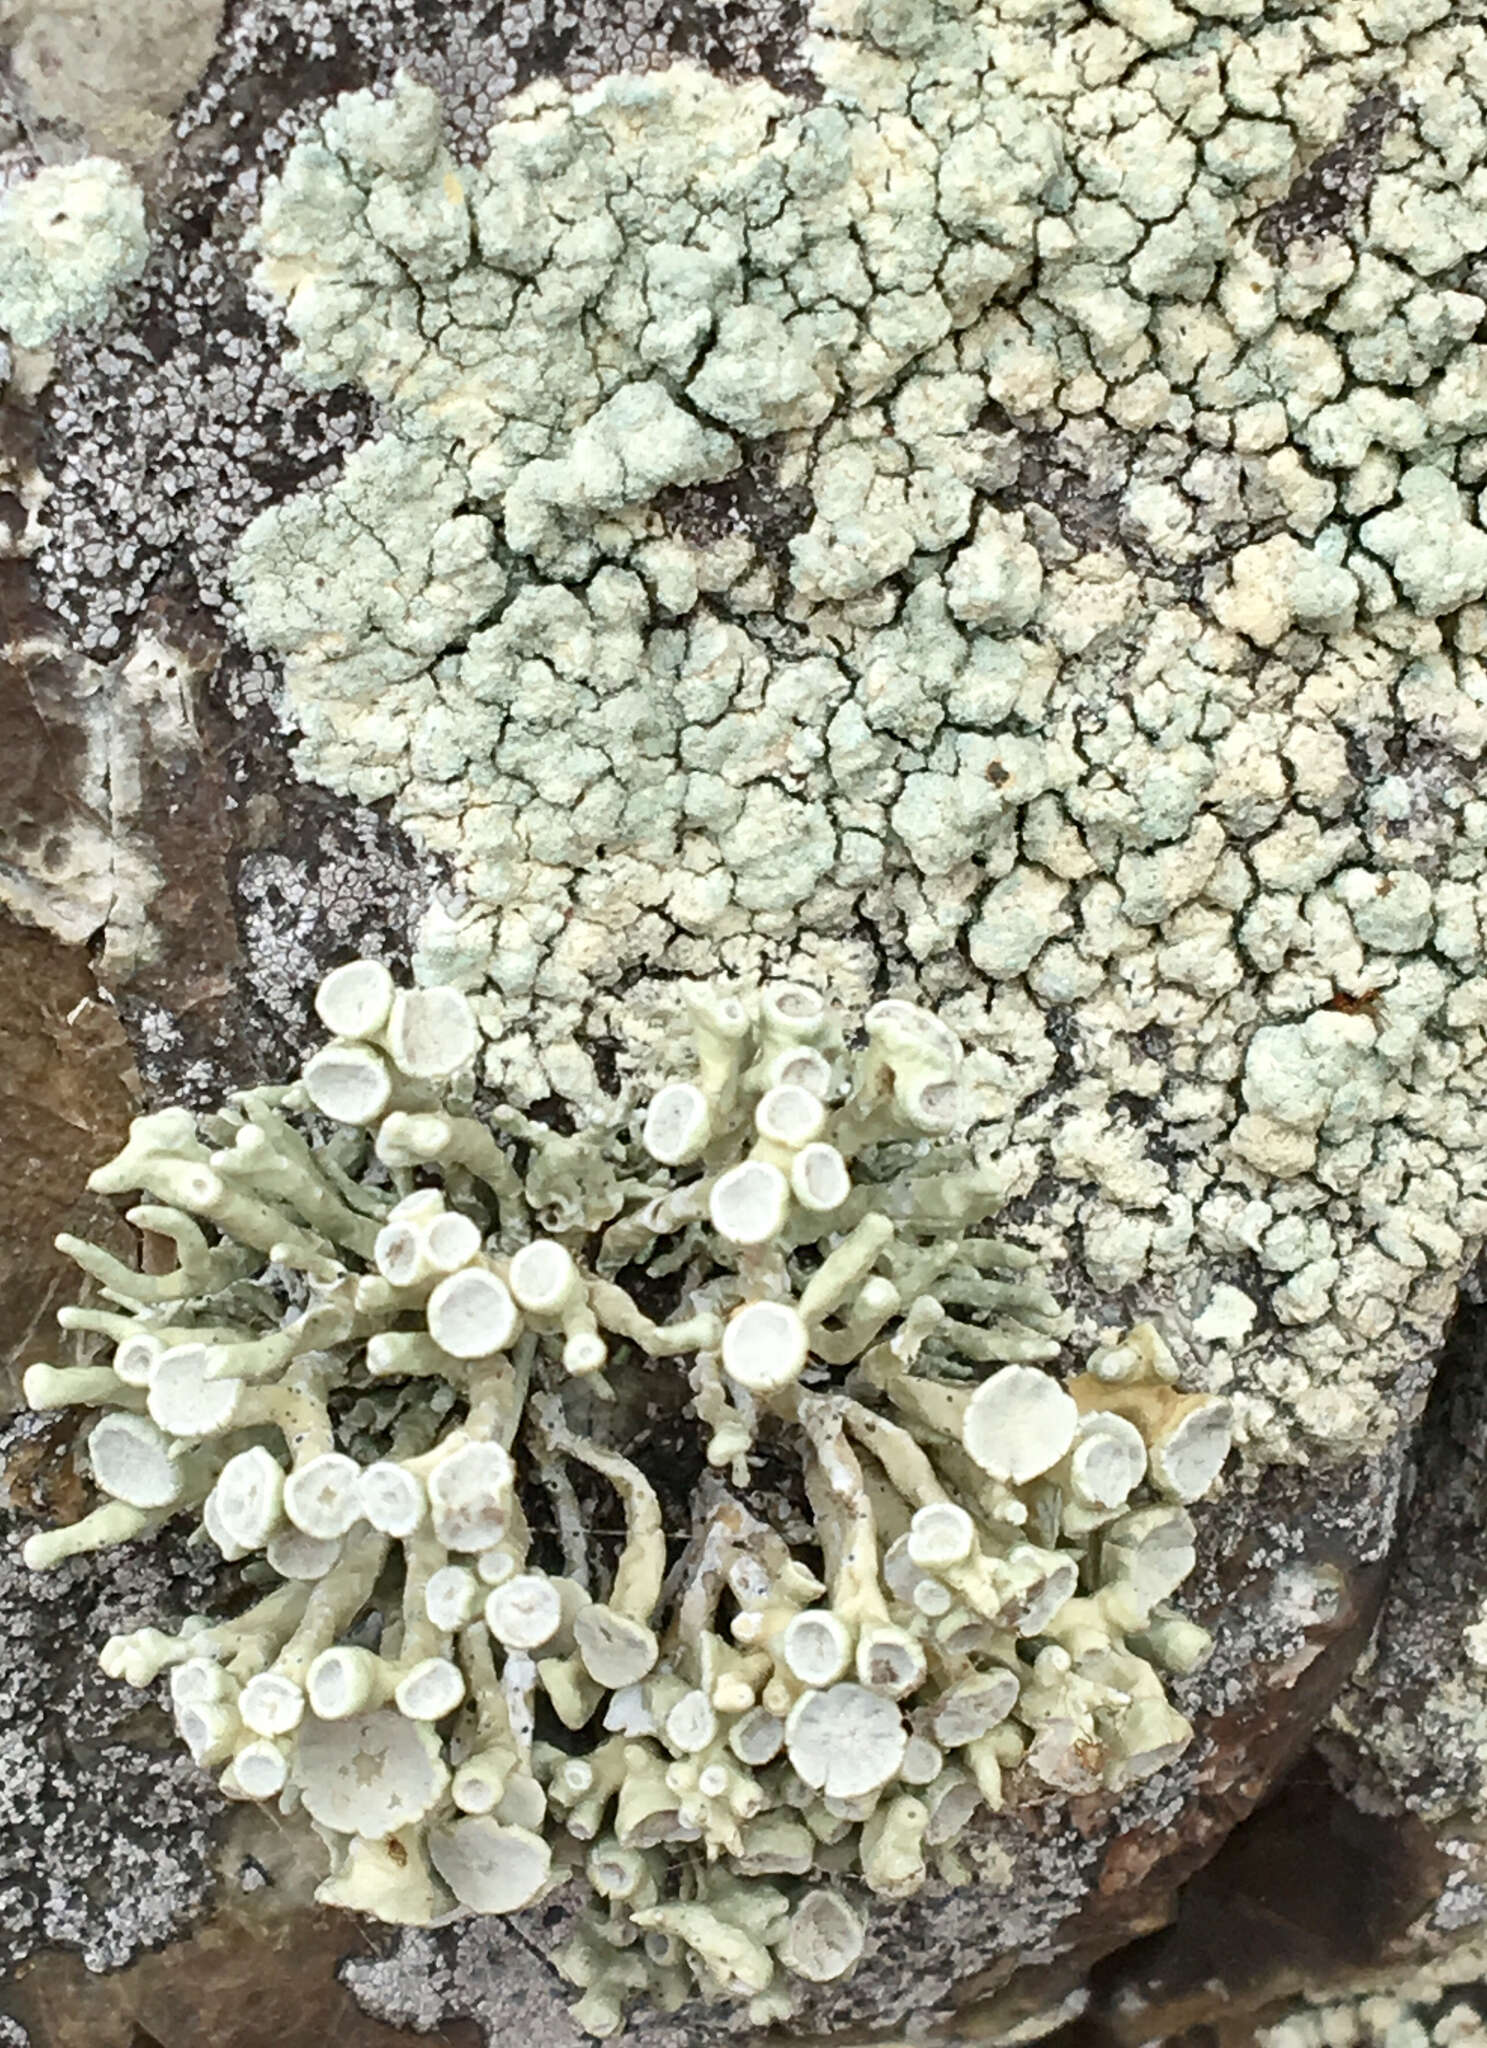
(65, 1102)
(260, 1974)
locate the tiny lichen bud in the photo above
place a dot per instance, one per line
(817, 1646)
(526, 1612)
(765, 1346)
(824, 1939)
(433, 1688)
(748, 1204)
(250, 1497)
(846, 1740)
(321, 1497)
(185, 1402)
(344, 1680)
(294, 1555)
(271, 1705)
(819, 1178)
(431, 1033)
(131, 1460)
(392, 1498)
(261, 1769)
(1019, 1423)
(488, 1867)
(543, 1277)
(349, 1083)
(470, 1314)
(678, 1124)
(789, 1115)
(940, 1534)
(354, 1001)
(470, 1494)
(136, 1359)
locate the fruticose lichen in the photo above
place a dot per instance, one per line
(869, 1554)
(69, 237)
(1104, 663)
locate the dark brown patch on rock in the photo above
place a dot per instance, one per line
(1305, 1895)
(260, 1974)
(1330, 194)
(65, 1102)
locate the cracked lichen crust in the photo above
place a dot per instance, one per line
(681, 1506)
(1119, 688)
(69, 237)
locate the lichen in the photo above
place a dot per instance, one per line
(1102, 687)
(871, 1554)
(69, 237)
(1209, 820)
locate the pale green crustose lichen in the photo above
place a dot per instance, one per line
(69, 237)
(1111, 391)
(870, 1554)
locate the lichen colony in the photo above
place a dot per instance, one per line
(678, 1506)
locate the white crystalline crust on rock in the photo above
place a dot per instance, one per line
(111, 1890)
(1124, 656)
(425, 1376)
